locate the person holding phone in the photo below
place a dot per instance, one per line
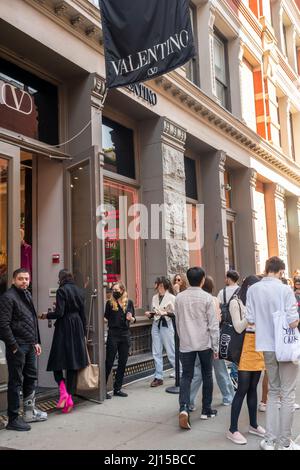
(120, 314)
(162, 332)
(68, 351)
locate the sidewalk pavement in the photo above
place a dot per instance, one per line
(147, 419)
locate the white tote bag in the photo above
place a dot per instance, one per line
(287, 340)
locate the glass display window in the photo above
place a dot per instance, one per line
(122, 252)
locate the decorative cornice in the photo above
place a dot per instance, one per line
(253, 178)
(79, 17)
(99, 91)
(222, 161)
(279, 192)
(173, 132)
(190, 96)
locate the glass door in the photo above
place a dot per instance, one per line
(85, 252)
(9, 233)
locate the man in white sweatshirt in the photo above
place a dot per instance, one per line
(198, 331)
(263, 299)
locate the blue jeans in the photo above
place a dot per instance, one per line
(162, 338)
(234, 371)
(188, 365)
(22, 374)
(222, 377)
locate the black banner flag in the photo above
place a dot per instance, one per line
(145, 38)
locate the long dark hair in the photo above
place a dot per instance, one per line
(248, 281)
(208, 285)
(165, 282)
(65, 276)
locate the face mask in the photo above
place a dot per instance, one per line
(117, 295)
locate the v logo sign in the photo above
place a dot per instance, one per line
(14, 98)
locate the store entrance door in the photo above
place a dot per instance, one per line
(9, 236)
(86, 250)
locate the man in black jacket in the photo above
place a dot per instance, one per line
(20, 332)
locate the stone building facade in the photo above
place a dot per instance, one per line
(221, 132)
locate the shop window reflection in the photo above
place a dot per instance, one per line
(3, 240)
(118, 148)
(122, 256)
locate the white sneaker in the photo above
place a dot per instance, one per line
(259, 431)
(267, 445)
(292, 446)
(172, 375)
(296, 406)
(192, 408)
(262, 407)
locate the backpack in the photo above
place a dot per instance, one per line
(225, 313)
(231, 342)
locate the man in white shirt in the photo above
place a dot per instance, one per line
(231, 282)
(263, 299)
(198, 330)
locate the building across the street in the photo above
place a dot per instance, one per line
(222, 132)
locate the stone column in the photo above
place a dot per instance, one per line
(285, 129)
(276, 221)
(293, 217)
(215, 251)
(206, 19)
(163, 183)
(243, 196)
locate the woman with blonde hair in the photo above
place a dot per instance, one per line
(119, 312)
(179, 283)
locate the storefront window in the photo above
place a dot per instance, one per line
(3, 239)
(26, 212)
(3, 224)
(231, 251)
(190, 178)
(261, 226)
(122, 251)
(28, 105)
(194, 235)
(81, 226)
(118, 148)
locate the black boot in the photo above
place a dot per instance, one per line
(17, 424)
(119, 393)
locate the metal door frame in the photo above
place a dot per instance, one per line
(95, 160)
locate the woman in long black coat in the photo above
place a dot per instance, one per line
(68, 350)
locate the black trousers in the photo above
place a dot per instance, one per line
(188, 362)
(247, 385)
(71, 379)
(22, 375)
(117, 343)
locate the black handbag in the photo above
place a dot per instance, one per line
(231, 342)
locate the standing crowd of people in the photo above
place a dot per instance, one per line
(186, 307)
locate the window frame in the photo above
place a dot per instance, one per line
(194, 62)
(217, 35)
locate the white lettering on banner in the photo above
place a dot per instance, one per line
(158, 52)
(15, 98)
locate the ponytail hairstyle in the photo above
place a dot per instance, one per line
(123, 300)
